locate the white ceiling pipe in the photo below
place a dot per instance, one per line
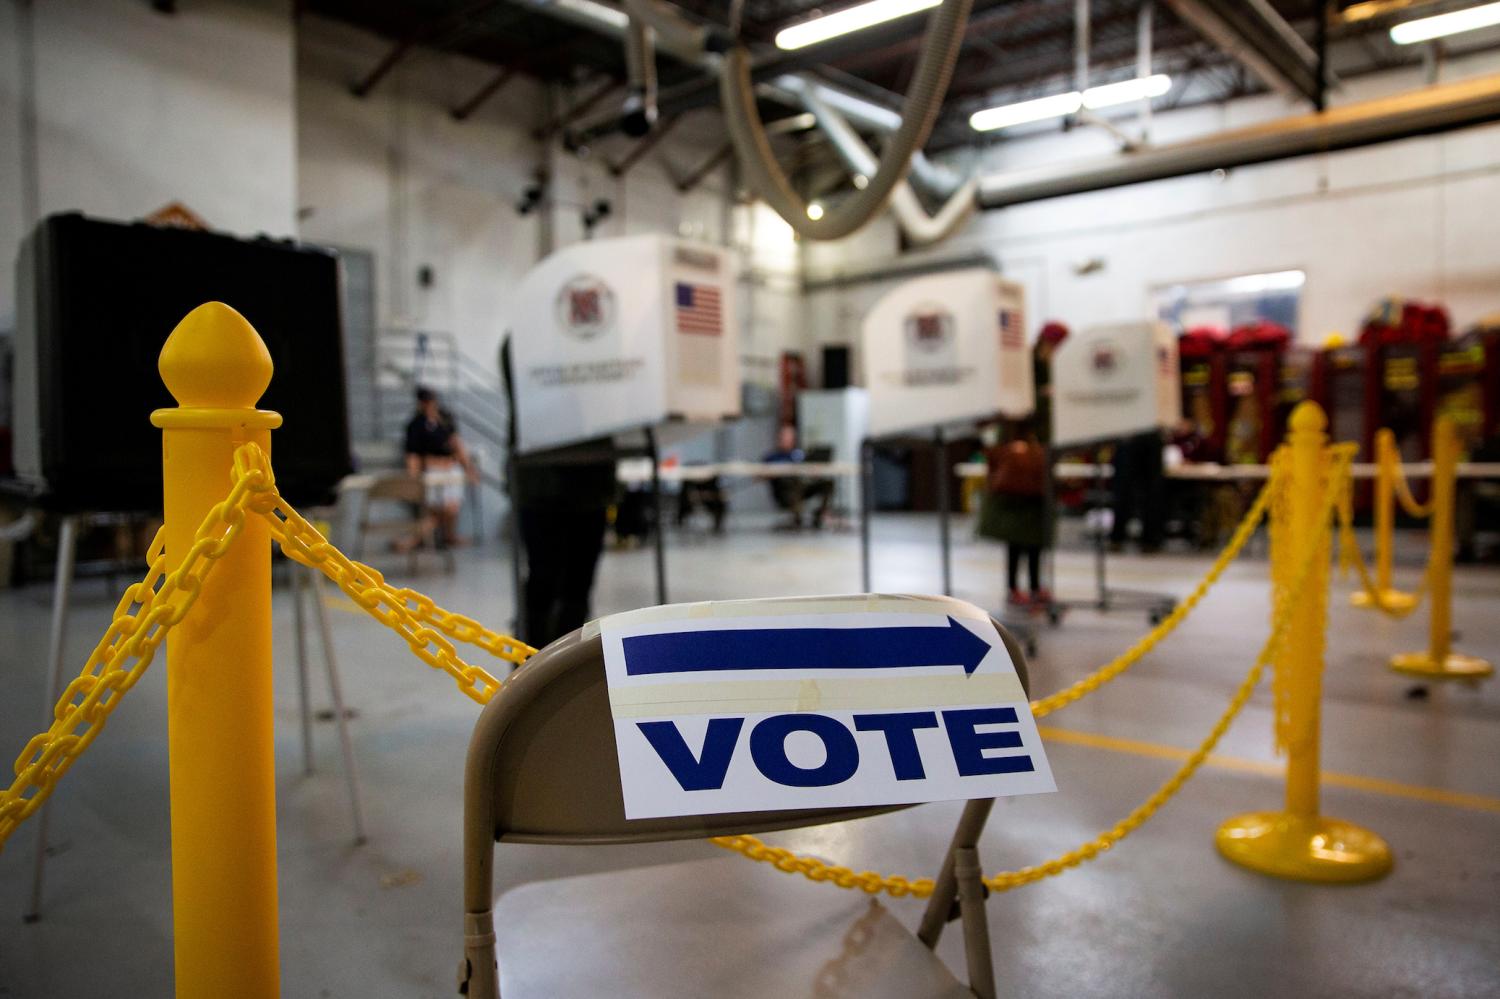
(611, 21)
(921, 228)
(1418, 112)
(934, 178)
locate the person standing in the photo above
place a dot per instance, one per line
(563, 498)
(1014, 509)
(436, 453)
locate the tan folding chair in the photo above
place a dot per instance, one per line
(542, 768)
(411, 494)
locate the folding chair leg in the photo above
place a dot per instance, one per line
(479, 977)
(340, 717)
(971, 899)
(945, 891)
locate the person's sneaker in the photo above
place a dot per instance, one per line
(1016, 598)
(1042, 596)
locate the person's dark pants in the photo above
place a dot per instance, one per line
(1013, 554)
(708, 494)
(1138, 490)
(792, 494)
(562, 554)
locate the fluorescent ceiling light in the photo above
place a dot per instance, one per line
(1058, 105)
(1427, 28)
(1126, 91)
(595, 12)
(841, 22)
(1016, 114)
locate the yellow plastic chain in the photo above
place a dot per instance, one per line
(147, 611)
(874, 883)
(1109, 671)
(1401, 488)
(1350, 556)
(411, 615)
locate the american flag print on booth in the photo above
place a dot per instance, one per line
(700, 309)
(1012, 336)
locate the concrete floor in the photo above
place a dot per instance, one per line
(1162, 915)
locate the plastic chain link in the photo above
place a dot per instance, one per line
(1109, 671)
(1402, 488)
(410, 614)
(147, 611)
(1350, 556)
(874, 882)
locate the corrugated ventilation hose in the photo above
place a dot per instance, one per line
(919, 112)
(920, 228)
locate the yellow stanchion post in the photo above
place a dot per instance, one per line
(219, 717)
(1439, 661)
(1391, 599)
(1298, 842)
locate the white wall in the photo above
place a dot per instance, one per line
(393, 173)
(1410, 218)
(135, 109)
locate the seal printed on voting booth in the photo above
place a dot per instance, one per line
(814, 702)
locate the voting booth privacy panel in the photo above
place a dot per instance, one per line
(95, 302)
(1115, 381)
(944, 348)
(618, 334)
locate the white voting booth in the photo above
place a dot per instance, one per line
(618, 335)
(937, 350)
(944, 348)
(621, 334)
(1115, 381)
(1109, 383)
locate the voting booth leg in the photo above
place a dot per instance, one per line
(340, 713)
(866, 507)
(220, 714)
(1439, 661)
(945, 541)
(304, 699)
(1385, 524)
(656, 522)
(62, 591)
(1298, 843)
(517, 550)
(961, 881)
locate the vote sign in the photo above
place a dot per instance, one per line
(759, 705)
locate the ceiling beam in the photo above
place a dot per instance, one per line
(1255, 34)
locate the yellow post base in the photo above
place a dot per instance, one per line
(1320, 849)
(1391, 600)
(1453, 666)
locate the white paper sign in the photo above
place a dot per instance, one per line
(817, 702)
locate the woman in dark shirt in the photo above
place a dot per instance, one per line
(435, 452)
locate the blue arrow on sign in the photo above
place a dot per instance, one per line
(804, 648)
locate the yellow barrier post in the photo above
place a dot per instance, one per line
(1298, 842)
(1439, 661)
(1391, 599)
(219, 718)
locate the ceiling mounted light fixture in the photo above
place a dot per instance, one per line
(1126, 91)
(1060, 105)
(842, 22)
(1040, 109)
(1425, 29)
